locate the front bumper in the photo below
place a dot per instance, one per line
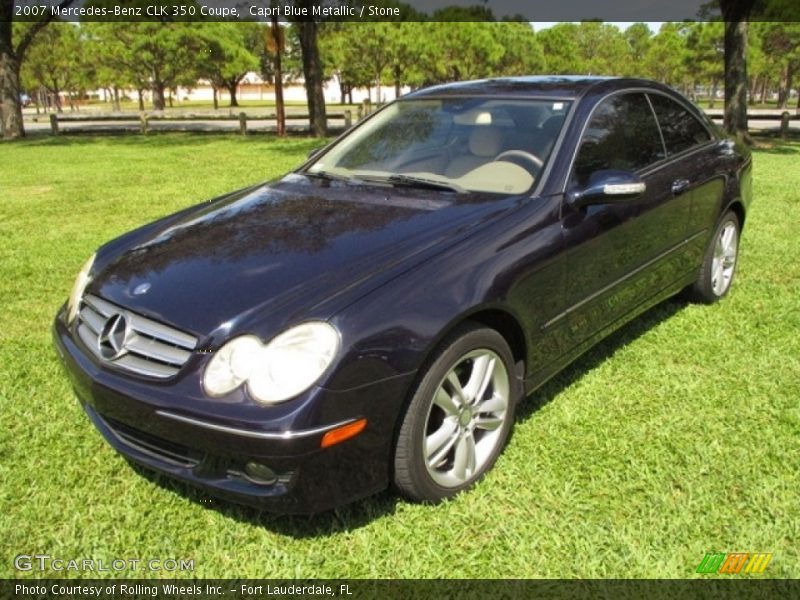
(140, 421)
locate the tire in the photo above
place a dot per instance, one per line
(719, 264)
(459, 417)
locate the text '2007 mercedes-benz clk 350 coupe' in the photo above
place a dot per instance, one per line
(372, 318)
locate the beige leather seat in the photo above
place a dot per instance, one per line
(484, 144)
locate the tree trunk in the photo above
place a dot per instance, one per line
(141, 99)
(280, 109)
(10, 105)
(57, 100)
(10, 61)
(216, 97)
(158, 96)
(312, 72)
(783, 88)
(117, 106)
(736, 76)
(713, 98)
(231, 87)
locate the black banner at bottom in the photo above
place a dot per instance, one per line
(391, 589)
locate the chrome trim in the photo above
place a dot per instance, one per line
(263, 435)
(151, 348)
(622, 279)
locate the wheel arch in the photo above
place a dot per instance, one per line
(498, 318)
(737, 206)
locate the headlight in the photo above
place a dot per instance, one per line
(74, 302)
(273, 372)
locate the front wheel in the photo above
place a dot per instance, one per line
(459, 418)
(719, 265)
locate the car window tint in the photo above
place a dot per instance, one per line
(680, 128)
(622, 134)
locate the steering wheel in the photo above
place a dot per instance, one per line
(521, 155)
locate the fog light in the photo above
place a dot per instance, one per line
(259, 473)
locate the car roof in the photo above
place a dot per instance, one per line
(560, 86)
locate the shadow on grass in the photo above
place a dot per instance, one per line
(599, 354)
(324, 524)
(361, 513)
(773, 143)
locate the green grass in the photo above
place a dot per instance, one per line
(677, 436)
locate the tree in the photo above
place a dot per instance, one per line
(307, 32)
(560, 48)
(705, 55)
(735, 14)
(342, 58)
(170, 52)
(229, 54)
(11, 59)
(523, 52)
(666, 57)
(603, 48)
(457, 51)
(276, 42)
(781, 41)
(54, 61)
(114, 50)
(639, 38)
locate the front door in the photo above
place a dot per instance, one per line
(619, 255)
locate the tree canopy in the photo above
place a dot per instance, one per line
(67, 59)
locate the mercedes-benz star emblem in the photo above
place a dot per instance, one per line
(113, 337)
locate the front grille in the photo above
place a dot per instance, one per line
(146, 347)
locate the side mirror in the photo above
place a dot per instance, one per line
(608, 187)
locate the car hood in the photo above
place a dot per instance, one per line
(294, 249)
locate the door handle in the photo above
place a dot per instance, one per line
(679, 186)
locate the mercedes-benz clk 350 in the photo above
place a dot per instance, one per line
(373, 318)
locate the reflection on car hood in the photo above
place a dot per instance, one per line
(295, 249)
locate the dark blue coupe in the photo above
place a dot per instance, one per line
(373, 318)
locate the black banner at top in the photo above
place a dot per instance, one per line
(396, 10)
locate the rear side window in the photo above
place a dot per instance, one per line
(680, 128)
(622, 134)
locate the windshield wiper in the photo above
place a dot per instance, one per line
(328, 176)
(424, 182)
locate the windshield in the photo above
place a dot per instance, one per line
(458, 144)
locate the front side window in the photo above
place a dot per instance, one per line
(465, 144)
(622, 135)
(680, 128)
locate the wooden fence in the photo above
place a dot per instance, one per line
(146, 119)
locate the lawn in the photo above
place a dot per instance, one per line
(677, 436)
